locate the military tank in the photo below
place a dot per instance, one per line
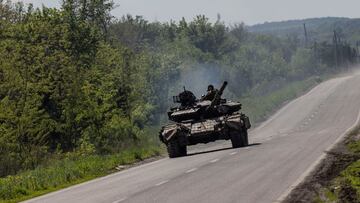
(196, 121)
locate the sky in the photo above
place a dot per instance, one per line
(231, 11)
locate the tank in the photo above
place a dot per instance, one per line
(195, 121)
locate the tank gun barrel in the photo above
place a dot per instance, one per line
(220, 92)
(218, 95)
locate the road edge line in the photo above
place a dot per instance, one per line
(287, 105)
(313, 166)
(90, 181)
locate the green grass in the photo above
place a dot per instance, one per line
(330, 195)
(259, 107)
(354, 147)
(66, 172)
(352, 175)
(346, 187)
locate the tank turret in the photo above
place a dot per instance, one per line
(194, 109)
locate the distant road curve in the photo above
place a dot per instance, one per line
(286, 147)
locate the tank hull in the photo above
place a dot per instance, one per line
(204, 131)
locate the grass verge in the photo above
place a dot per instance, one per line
(67, 172)
(336, 178)
(346, 186)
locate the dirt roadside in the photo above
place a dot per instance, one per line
(336, 161)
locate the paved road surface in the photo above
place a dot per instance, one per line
(284, 148)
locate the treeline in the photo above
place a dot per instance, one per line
(318, 29)
(63, 87)
(76, 80)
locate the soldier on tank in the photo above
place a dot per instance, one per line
(211, 92)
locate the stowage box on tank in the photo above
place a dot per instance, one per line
(201, 121)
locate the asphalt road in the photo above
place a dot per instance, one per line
(284, 149)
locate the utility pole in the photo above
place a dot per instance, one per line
(317, 58)
(357, 51)
(306, 35)
(335, 41)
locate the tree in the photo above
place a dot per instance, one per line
(95, 12)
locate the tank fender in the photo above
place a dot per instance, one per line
(173, 131)
(238, 122)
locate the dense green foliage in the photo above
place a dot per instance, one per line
(74, 80)
(63, 87)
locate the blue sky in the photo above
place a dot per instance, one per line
(231, 11)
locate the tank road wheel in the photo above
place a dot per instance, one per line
(245, 138)
(236, 140)
(175, 149)
(183, 150)
(239, 139)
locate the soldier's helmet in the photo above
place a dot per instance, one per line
(210, 88)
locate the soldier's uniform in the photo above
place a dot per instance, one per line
(211, 92)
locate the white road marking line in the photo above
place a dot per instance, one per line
(233, 153)
(191, 170)
(99, 179)
(120, 200)
(162, 182)
(215, 160)
(317, 162)
(247, 148)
